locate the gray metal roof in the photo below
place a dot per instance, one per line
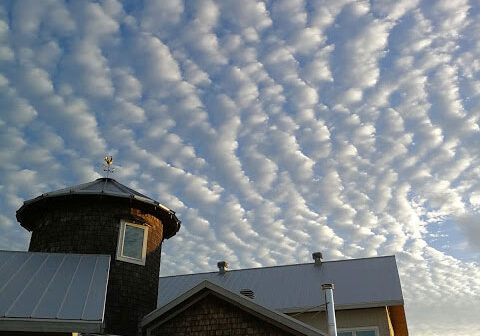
(359, 283)
(101, 186)
(53, 287)
(105, 187)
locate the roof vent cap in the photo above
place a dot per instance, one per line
(317, 257)
(248, 293)
(222, 267)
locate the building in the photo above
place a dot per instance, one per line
(93, 268)
(368, 294)
(104, 217)
(210, 309)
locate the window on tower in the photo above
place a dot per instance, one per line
(132, 243)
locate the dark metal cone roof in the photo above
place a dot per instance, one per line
(102, 187)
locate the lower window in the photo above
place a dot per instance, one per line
(132, 243)
(364, 331)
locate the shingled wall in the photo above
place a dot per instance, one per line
(213, 316)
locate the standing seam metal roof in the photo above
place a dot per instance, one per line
(359, 283)
(53, 286)
(102, 186)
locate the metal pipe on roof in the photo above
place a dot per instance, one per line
(317, 257)
(222, 267)
(330, 308)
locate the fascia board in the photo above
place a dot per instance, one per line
(50, 325)
(375, 304)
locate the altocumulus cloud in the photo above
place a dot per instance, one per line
(273, 128)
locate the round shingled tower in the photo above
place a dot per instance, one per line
(106, 217)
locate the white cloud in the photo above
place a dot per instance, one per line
(6, 52)
(249, 13)
(318, 69)
(37, 81)
(15, 109)
(157, 64)
(273, 129)
(394, 9)
(127, 86)
(47, 55)
(160, 15)
(469, 224)
(89, 65)
(96, 24)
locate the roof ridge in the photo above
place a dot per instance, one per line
(278, 266)
(59, 253)
(76, 186)
(127, 189)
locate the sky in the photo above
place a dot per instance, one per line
(273, 128)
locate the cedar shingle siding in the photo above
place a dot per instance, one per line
(213, 316)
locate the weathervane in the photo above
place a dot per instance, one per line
(108, 167)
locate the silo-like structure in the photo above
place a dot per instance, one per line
(106, 217)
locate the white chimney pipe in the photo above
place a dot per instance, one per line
(330, 308)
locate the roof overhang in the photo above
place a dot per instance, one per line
(398, 320)
(50, 325)
(104, 188)
(32, 207)
(53, 292)
(285, 322)
(361, 305)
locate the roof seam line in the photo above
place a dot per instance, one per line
(89, 288)
(6, 262)
(48, 287)
(69, 286)
(13, 275)
(26, 286)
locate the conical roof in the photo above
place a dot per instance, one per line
(102, 187)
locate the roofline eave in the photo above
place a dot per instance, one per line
(376, 304)
(50, 325)
(163, 210)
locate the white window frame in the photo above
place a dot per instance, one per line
(354, 330)
(121, 240)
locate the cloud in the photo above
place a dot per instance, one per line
(157, 64)
(160, 15)
(274, 129)
(6, 53)
(248, 14)
(16, 110)
(89, 65)
(471, 229)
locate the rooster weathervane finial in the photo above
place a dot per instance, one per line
(108, 167)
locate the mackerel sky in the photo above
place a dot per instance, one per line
(273, 129)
